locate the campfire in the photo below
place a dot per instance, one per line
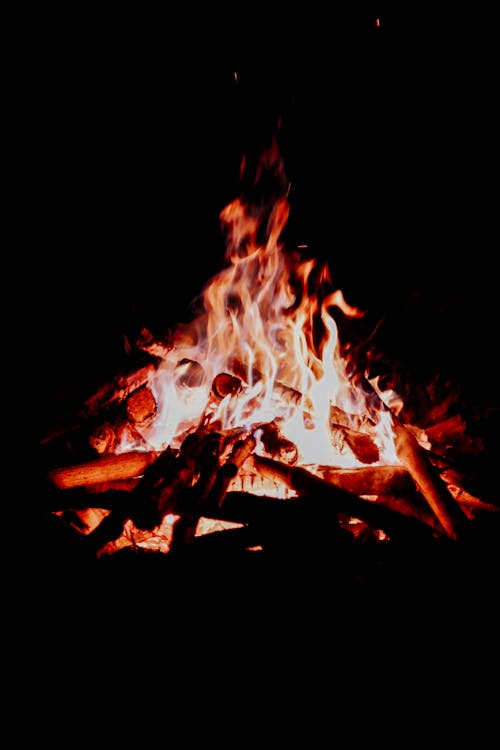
(261, 418)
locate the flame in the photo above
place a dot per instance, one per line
(268, 320)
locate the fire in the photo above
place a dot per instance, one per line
(258, 396)
(266, 320)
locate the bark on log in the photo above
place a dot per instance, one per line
(111, 435)
(107, 468)
(141, 406)
(413, 457)
(242, 449)
(306, 484)
(162, 486)
(195, 498)
(447, 510)
(119, 388)
(368, 480)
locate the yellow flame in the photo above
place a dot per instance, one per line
(267, 318)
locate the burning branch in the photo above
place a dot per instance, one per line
(239, 454)
(412, 455)
(118, 389)
(108, 468)
(434, 490)
(306, 484)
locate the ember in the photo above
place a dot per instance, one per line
(256, 415)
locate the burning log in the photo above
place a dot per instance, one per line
(306, 484)
(139, 410)
(276, 445)
(360, 443)
(127, 468)
(154, 346)
(470, 504)
(409, 506)
(184, 529)
(141, 406)
(119, 388)
(242, 449)
(110, 435)
(368, 480)
(413, 457)
(225, 384)
(158, 492)
(107, 468)
(447, 510)
(165, 481)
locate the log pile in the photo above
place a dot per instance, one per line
(245, 484)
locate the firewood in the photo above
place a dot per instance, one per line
(244, 507)
(110, 529)
(241, 451)
(189, 374)
(154, 346)
(112, 434)
(306, 484)
(361, 444)
(119, 388)
(156, 494)
(276, 445)
(409, 506)
(141, 406)
(123, 485)
(103, 469)
(225, 384)
(368, 480)
(413, 457)
(470, 504)
(124, 426)
(195, 499)
(162, 487)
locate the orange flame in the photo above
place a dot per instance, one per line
(267, 319)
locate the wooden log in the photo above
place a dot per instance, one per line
(194, 499)
(137, 412)
(162, 487)
(119, 388)
(306, 484)
(141, 406)
(224, 384)
(106, 468)
(367, 480)
(157, 347)
(361, 444)
(434, 490)
(242, 449)
(244, 507)
(111, 435)
(470, 504)
(276, 445)
(409, 506)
